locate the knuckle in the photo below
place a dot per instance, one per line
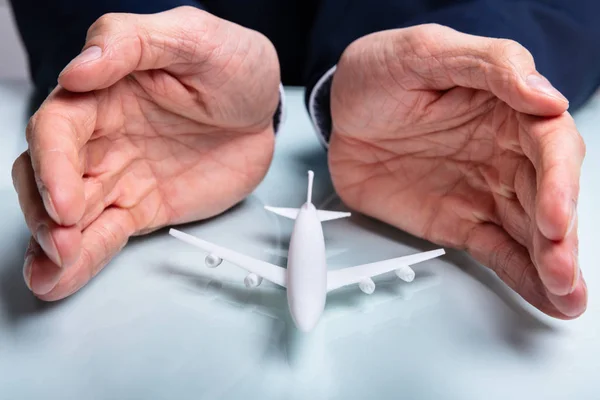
(193, 40)
(578, 140)
(107, 239)
(353, 50)
(506, 48)
(86, 261)
(185, 46)
(508, 58)
(502, 257)
(582, 146)
(428, 36)
(30, 130)
(187, 11)
(194, 19)
(523, 277)
(17, 167)
(509, 53)
(422, 39)
(428, 31)
(106, 23)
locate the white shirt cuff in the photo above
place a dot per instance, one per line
(280, 113)
(318, 107)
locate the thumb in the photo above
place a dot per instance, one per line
(119, 44)
(442, 58)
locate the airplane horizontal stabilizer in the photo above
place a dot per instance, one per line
(330, 215)
(290, 213)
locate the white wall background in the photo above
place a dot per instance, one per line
(13, 63)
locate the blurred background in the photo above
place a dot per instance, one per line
(13, 64)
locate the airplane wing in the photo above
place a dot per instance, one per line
(292, 213)
(263, 269)
(348, 276)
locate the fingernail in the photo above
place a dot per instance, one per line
(41, 285)
(27, 270)
(44, 238)
(577, 272)
(49, 205)
(90, 54)
(542, 84)
(573, 217)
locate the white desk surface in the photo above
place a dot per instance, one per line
(157, 324)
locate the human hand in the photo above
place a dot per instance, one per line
(164, 119)
(457, 139)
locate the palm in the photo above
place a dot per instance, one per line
(453, 166)
(436, 177)
(163, 167)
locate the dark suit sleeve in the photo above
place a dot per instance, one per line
(54, 33)
(564, 38)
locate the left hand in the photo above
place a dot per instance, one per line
(459, 140)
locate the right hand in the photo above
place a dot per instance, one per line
(459, 140)
(163, 119)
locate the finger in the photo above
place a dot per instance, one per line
(500, 179)
(526, 187)
(557, 263)
(493, 247)
(39, 272)
(557, 151)
(113, 172)
(574, 304)
(515, 220)
(60, 244)
(102, 240)
(55, 134)
(119, 44)
(99, 193)
(505, 126)
(499, 174)
(441, 58)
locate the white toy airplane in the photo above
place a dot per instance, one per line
(306, 278)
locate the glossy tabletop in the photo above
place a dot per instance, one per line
(157, 324)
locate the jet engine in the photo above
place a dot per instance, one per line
(367, 286)
(252, 281)
(212, 261)
(405, 273)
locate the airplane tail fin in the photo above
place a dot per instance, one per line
(292, 213)
(311, 176)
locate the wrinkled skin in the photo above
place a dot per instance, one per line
(173, 123)
(443, 135)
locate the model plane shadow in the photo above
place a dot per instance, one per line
(519, 328)
(285, 344)
(524, 322)
(16, 300)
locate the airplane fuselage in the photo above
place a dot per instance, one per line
(307, 269)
